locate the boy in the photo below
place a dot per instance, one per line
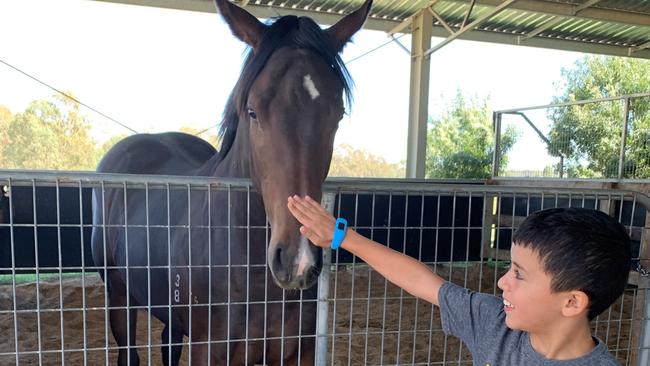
(568, 265)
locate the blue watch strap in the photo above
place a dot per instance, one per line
(340, 227)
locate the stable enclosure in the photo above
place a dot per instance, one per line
(53, 307)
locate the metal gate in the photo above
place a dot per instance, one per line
(53, 307)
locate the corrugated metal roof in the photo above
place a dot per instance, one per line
(614, 27)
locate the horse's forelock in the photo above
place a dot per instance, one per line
(287, 31)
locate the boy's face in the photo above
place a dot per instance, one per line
(528, 302)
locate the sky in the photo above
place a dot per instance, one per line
(157, 70)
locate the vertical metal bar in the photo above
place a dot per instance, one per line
(496, 158)
(210, 274)
(417, 300)
(189, 272)
(83, 276)
(284, 301)
(401, 291)
(229, 275)
(300, 326)
(497, 210)
(58, 244)
(626, 119)
(383, 319)
(266, 286)
(451, 256)
(435, 267)
(105, 265)
(483, 235)
(126, 269)
(372, 236)
(38, 279)
(644, 344)
(631, 328)
(622, 298)
(334, 303)
(13, 268)
(356, 213)
(148, 248)
(248, 263)
(644, 287)
(169, 275)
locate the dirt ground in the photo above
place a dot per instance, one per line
(371, 323)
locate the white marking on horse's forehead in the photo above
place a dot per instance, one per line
(308, 83)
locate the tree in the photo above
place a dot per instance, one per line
(350, 162)
(5, 118)
(49, 135)
(589, 135)
(460, 144)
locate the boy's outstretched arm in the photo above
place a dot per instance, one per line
(406, 272)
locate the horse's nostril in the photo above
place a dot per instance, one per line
(279, 261)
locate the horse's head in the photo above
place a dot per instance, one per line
(290, 100)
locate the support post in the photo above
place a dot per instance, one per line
(422, 29)
(323, 294)
(626, 121)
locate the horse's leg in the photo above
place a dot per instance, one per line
(120, 319)
(177, 349)
(307, 354)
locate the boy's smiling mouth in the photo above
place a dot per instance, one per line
(507, 305)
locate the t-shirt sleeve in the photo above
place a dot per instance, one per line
(468, 315)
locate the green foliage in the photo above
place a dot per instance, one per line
(350, 162)
(5, 118)
(589, 135)
(460, 144)
(48, 135)
(55, 135)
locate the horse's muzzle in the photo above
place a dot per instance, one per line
(295, 269)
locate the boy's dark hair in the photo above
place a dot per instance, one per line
(581, 249)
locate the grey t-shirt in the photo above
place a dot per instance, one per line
(479, 321)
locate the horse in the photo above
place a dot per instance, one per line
(198, 260)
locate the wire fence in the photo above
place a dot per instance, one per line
(54, 307)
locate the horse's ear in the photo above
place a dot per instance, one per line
(242, 23)
(342, 31)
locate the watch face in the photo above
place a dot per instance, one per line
(341, 226)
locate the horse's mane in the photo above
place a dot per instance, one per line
(287, 31)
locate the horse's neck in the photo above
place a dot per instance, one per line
(236, 163)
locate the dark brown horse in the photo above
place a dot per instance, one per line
(196, 259)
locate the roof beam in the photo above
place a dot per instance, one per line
(554, 21)
(260, 11)
(644, 46)
(551, 43)
(470, 26)
(566, 10)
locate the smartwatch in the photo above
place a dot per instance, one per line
(339, 232)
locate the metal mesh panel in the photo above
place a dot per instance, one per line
(601, 138)
(54, 307)
(463, 233)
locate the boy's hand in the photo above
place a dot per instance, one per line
(317, 223)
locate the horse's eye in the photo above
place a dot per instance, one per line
(251, 114)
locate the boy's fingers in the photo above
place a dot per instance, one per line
(306, 232)
(312, 208)
(297, 212)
